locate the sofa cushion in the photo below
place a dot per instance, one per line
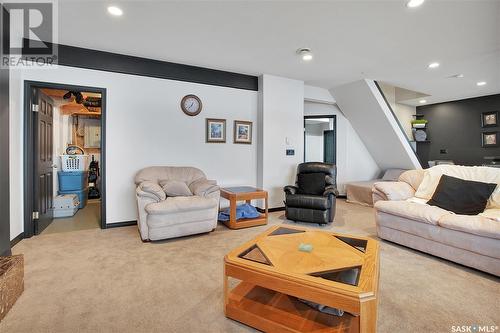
(311, 183)
(152, 188)
(477, 225)
(176, 188)
(460, 196)
(180, 204)
(475, 173)
(414, 211)
(307, 201)
(412, 177)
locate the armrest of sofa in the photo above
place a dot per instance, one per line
(290, 189)
(204, 187)
(392, 191)
(331, 190)
(152, 190)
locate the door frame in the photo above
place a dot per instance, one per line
(331, 116)
(28, 153)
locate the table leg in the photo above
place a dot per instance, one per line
(368, 316)
(267, 206)
(226, 291)
(232, 213)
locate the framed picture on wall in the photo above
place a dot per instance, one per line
(489, 139)
(489, 119)
(216, 130)
(242, 131)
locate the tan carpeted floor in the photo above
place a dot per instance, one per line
(109, 281)
(85, 218)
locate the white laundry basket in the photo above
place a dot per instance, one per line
(75, 162)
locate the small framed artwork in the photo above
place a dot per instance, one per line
(489, 139)
(216, 130)
(489, 119)
(242, 131)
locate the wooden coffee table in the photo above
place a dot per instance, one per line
(340, 271)
(243, 193)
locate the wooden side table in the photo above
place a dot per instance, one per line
(243, 193)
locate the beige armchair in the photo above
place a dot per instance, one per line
(162, 216)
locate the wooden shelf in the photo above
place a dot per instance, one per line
(271, 311)
(245, 223)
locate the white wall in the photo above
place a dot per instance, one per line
(314, 143)
(364, 106)
(281, 113)
(145, 126)
(403, 112)
(354, 162)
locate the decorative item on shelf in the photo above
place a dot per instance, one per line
(419, 135)
(191, 105)
(419, 127)
(216, 130)
(242, 131)
(489, 119)
(489, 139)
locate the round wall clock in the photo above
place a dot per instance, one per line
(191, 105)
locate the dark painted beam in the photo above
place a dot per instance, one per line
(119, 63)
(4, 143)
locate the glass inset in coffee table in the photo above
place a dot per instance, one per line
(243, 193)
(288, 263)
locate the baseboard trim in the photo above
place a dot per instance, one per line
(121, 224)
(270, 210)
(17, 239)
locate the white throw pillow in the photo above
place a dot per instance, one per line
(474, 173)
(176, 188)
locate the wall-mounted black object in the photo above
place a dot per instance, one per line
(4, 142)
(443, 151)
(119, 63)
(456, 125)
(290, 152)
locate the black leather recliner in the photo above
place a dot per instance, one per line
(300, 205)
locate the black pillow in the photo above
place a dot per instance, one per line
(461, 196)
(311, 183)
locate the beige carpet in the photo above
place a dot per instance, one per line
(109, 281)
(85, 218)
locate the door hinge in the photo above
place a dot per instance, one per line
(36, 215)
(34, 107)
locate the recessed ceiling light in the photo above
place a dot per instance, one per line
(305, 53)
(457, 76)
(433, 65)
(414, 3)
(115, 11)
(422, 101)
(481, 83)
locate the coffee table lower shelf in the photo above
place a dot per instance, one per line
(270, 311)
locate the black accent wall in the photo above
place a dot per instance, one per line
(454, 131)
(4, 148)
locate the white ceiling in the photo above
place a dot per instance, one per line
(381, 40)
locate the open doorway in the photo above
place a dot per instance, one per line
(64, 158)
(320, 139)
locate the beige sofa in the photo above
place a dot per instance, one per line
(403, 217)
(162, 216)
